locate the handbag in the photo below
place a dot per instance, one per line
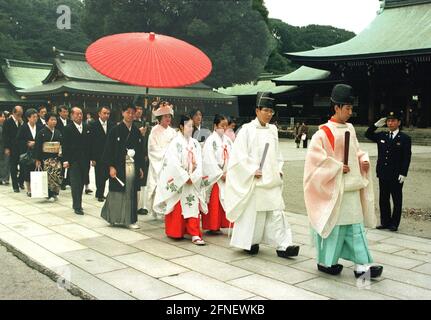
(26, 159)
(51, 147)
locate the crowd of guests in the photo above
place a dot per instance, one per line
(132, 154)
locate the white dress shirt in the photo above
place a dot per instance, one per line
(32, 130)
(104, 126)
(78, 126)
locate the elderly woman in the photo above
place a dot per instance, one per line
(161, 135)
(25, 138)
(47, 154)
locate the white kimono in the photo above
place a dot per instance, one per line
(215, 161)
(256, 205)
(158, 142)
(176, 171)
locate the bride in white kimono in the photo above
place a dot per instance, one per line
(160, 137)
(180, 188)
(216, 153)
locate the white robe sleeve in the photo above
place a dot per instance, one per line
(240, 179)
(171, 180)
(211, 169)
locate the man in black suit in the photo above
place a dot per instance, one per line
(394, 155)
(62, 121)
(99, 130)
(76, 156)
(41, 123)
(10, 130)
(144, 129)
(63, 118)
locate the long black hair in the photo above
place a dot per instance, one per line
(183, 119)
(219, 118)
(194, 112)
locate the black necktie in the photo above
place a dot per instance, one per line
(391, 137)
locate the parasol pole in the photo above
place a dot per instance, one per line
(147, 109)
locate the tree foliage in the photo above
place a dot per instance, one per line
(28, 29)
(237, 35)
(232, 33)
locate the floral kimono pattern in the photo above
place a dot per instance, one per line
(177, 168)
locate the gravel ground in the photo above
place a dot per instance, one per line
(416, 193)
(20, 282)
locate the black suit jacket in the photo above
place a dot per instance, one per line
(76, 146)
(98, 139)
(39, 124)
(394, 155)
(10, 131)
(24, 136)
(60, 126)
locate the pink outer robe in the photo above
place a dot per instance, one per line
(324, 181)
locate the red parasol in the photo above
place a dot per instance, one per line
(148, 60)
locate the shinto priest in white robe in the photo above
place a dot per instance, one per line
(256, 206)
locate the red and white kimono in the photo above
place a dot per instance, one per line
(325, 185)
(215, 161)
(181, 203)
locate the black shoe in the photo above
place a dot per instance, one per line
(393, 229)
(375, 272)
(382, 227)
(333, 270)
(79, 212)
(16, 190)
(29, 194)
(143, 212)
(253, 250)
(291, 251)
(101, 199)
(88, 191)
(63, 188)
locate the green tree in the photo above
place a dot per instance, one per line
(232, 33)
(296, 39)
(28, 29)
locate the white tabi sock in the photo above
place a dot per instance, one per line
(361, 268)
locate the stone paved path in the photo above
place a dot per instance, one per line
(108, 263)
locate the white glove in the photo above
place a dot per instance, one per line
(401, 179)
(380, 123)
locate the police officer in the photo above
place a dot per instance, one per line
(394, 155)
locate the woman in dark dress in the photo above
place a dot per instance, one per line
(25, 138)
(47, 154)
(124, 157)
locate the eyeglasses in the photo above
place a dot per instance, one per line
(268, 110)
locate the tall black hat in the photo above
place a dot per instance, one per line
(265, 100)
(342, 94)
